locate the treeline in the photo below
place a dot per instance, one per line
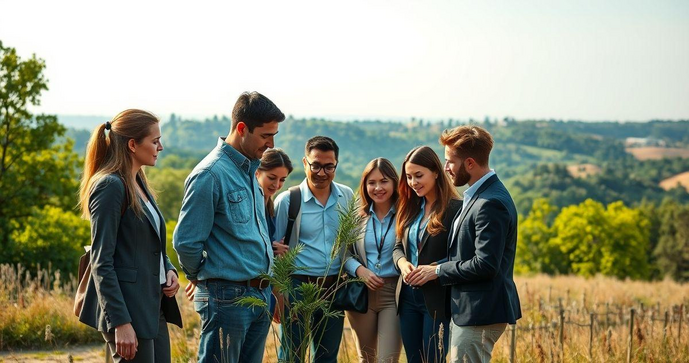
(646, 242)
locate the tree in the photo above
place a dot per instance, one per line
(672, 251)
(34, 171)
(612, 241)
(535, 253)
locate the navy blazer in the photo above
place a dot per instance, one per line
(481, 254)
(124, 286)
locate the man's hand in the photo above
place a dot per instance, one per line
(280, 248)
(189, 290)
(421, 275)
(125, 341)
(171, 285)
(372, 281)
(279, 306)
(405, 268)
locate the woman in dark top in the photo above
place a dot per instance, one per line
(130, 296)
(426, 207)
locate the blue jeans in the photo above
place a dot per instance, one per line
(244, 330)
(419, 329)
(326, 334)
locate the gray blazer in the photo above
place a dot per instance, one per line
(482, 259)
(124, 286)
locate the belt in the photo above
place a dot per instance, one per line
(256, 283)
(326, 282)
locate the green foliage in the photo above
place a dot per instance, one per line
(611, 241)
(50, 236)
(672, 251)
(169, 184)
(34, 171)
(585, 239)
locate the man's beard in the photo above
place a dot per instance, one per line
(461, 177)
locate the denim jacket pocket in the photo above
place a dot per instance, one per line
(240, 206)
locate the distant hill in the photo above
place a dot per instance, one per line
(679, 179)
(81, 122)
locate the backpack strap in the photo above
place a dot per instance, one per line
(294, 207)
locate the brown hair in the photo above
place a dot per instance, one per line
(388, 170)
(409, 204)
(255, 109)
(271, 159)
(110, 154)
(469, 141)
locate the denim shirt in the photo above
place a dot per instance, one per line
(317, 229)
(222, 231)
(416, 232)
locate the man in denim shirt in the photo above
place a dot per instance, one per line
(222, 235)
(316, 227)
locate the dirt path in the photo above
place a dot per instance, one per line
(84, 353)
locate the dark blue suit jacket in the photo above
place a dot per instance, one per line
(481, 254)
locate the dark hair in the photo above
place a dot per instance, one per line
(271, 159)
(322, 143)
(109, 154)
(469, 142)
(255, 109)
(409, 204)
(388, 170)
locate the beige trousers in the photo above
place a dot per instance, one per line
(377, 332)
(473, 344)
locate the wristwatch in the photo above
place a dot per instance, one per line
(437, 270)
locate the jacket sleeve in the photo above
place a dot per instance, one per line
(105, 203)
(201, 194)
(398, 251)
(491, 225)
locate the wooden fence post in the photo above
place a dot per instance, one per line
(607, 315)
(667, 318)
(513, 343)
(591, 337)
(630, 341)
(562, 333)
(679, 328)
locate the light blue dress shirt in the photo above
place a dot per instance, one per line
(385, 229)
(317, 229)
(469, 193)
(416, 232)
(222, 231)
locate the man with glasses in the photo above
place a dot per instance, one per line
(315, 227)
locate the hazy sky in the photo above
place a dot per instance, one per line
(592, 60)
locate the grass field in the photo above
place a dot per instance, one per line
(35, 313)
(655, 153)
(671, 182)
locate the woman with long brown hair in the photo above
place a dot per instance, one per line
(130, 293)
(427, 204)
(377, 331)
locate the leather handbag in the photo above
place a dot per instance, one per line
(352, 296)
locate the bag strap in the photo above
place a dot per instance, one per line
(294, 207)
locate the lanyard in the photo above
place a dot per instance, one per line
(379, 246)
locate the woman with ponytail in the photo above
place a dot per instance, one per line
(130, 296)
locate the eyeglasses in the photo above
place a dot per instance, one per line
(316, 168)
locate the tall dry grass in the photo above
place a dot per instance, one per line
(36, 312)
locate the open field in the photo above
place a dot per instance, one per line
(671, 182)
(655, 153)
(594, 312)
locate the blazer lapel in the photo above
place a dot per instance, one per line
(426, 235)
(465, 210)
(360, 247)
(149, 216)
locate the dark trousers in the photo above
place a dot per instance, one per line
(420, 331)
(149, 350)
